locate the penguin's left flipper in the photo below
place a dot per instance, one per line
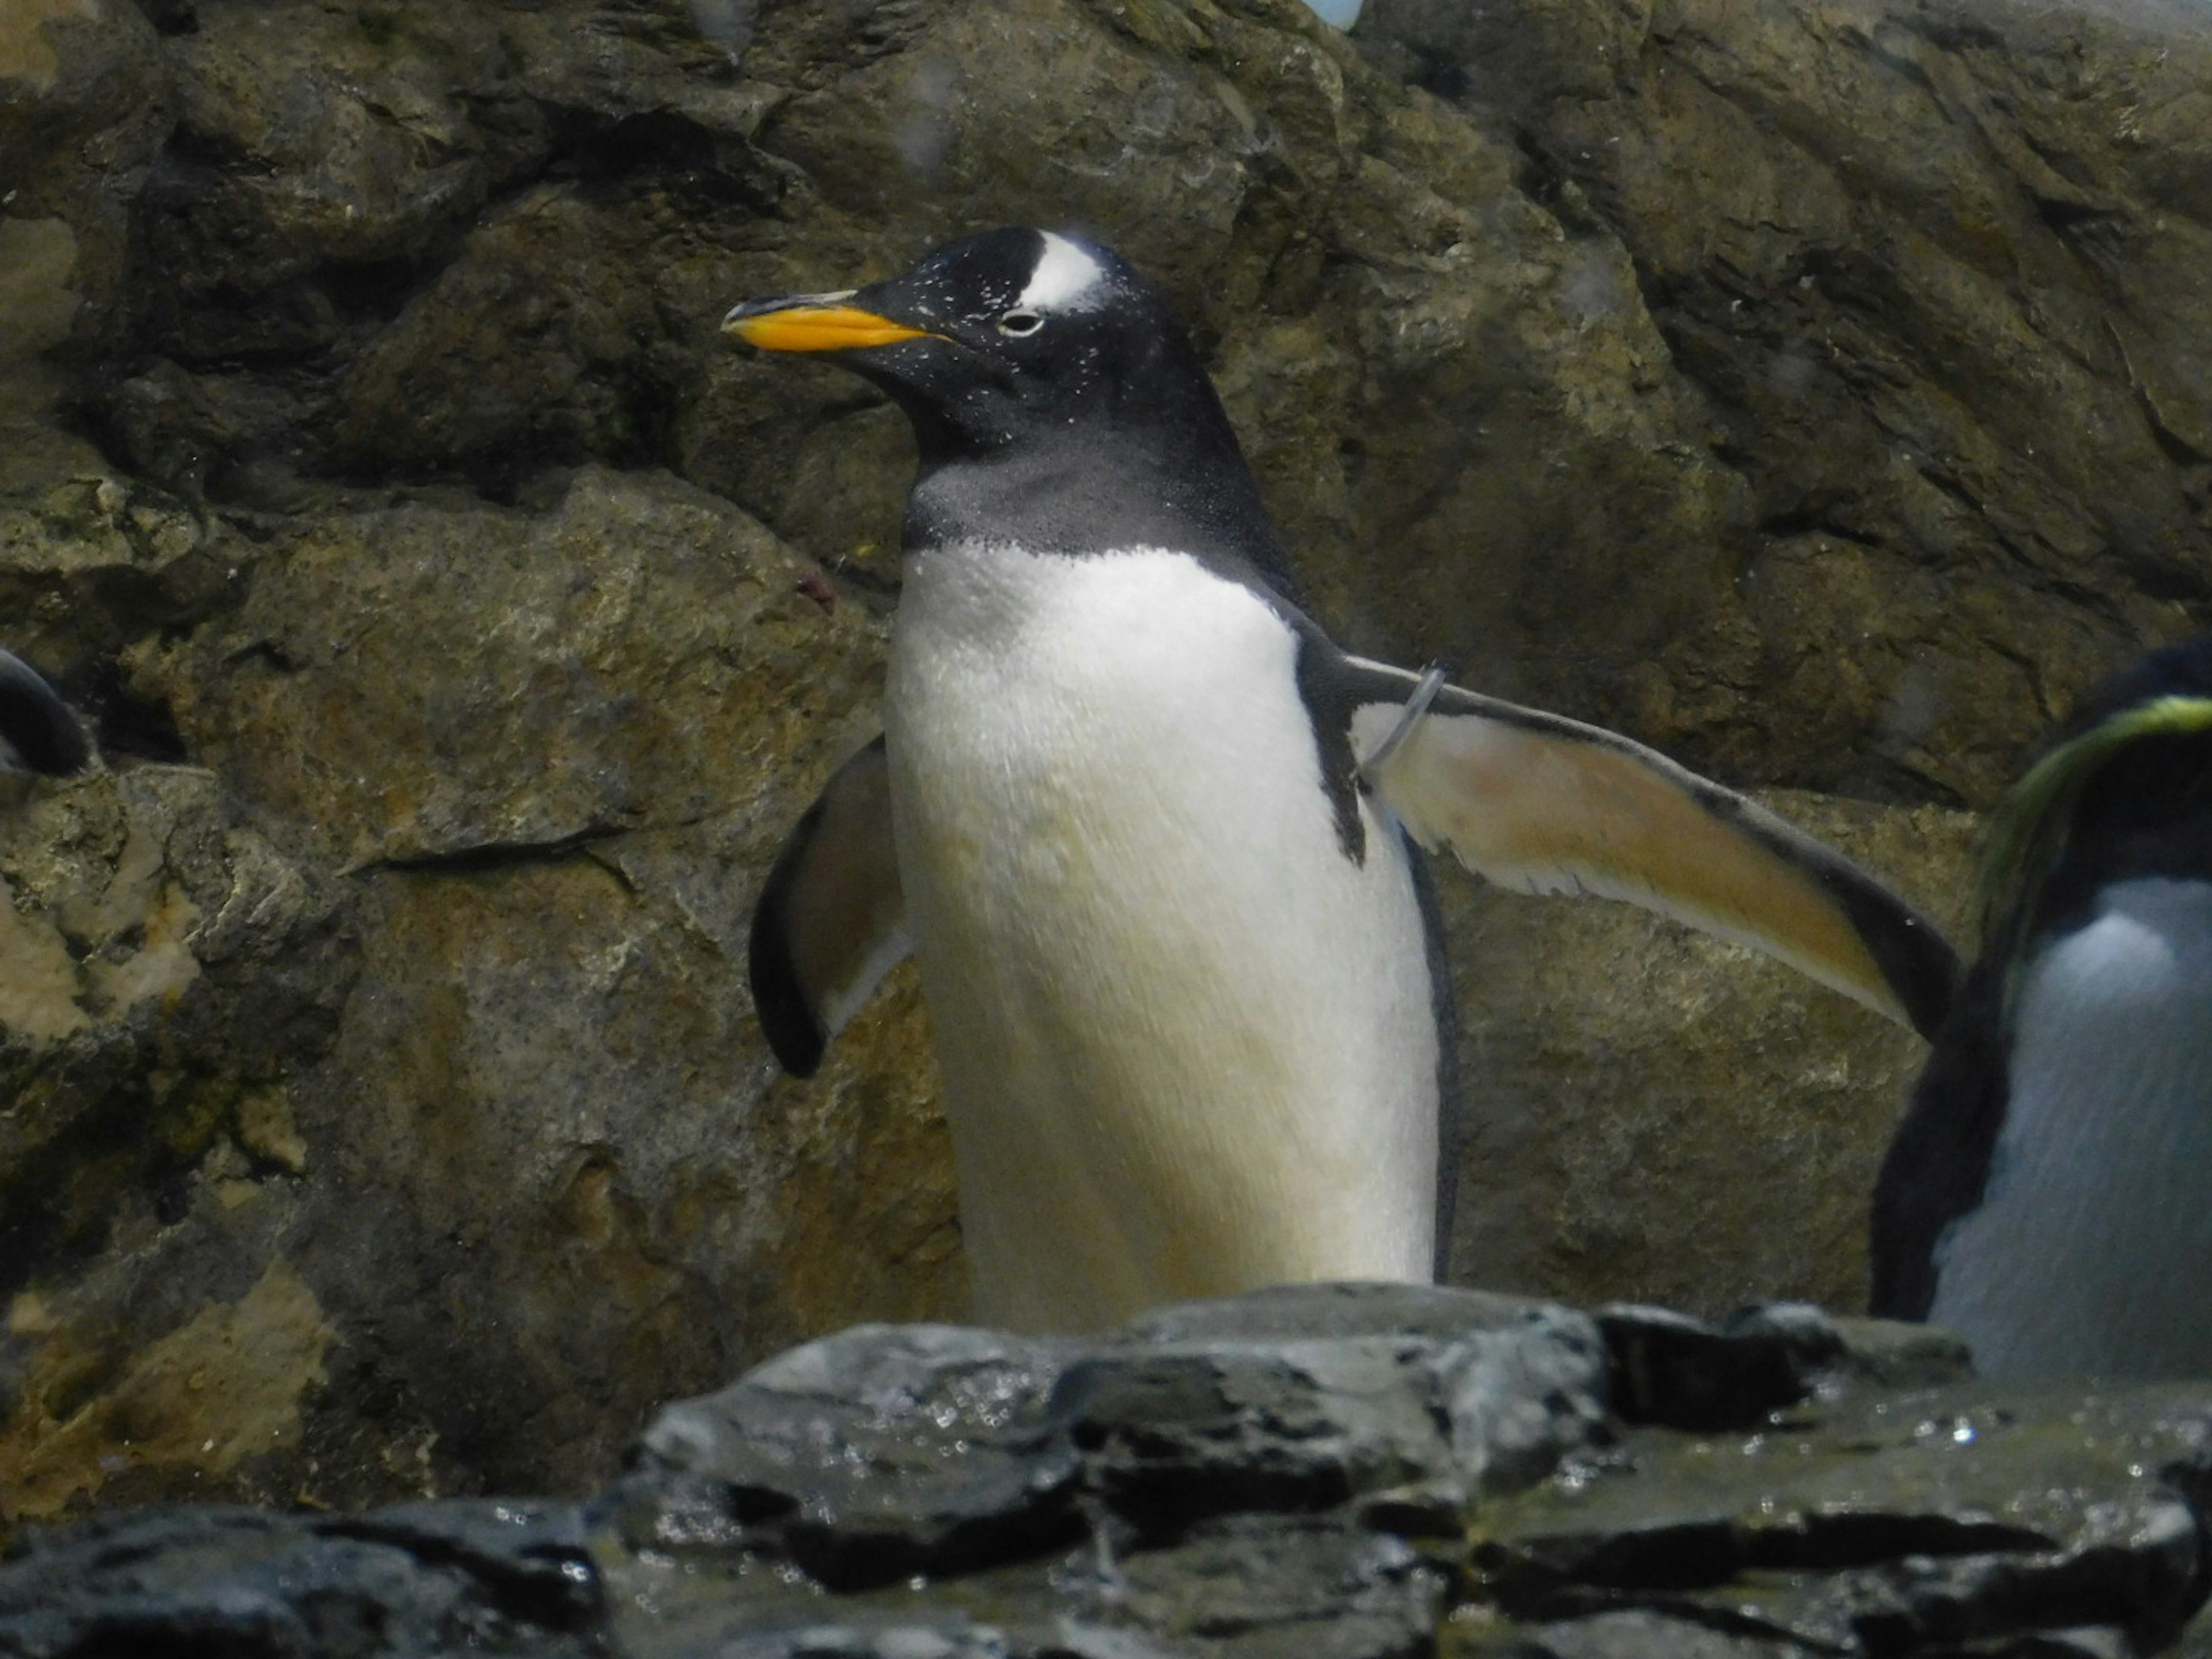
(1544, 805)
(831, 921)
(37, 732)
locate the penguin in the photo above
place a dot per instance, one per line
(1154, 837)
(37, 732)
(2049, 1194)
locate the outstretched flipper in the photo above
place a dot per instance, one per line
(37, 732)
(831, 921)
(1544, 805)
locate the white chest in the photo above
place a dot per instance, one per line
(1188, 1043)
(2092, 1253)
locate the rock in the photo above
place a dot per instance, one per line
(165, 968)
(1822, 203)
(1671, 1369)
(85, 111)
(430, 1580)
(1886, 1525)
(834, 1455)
(1510, 1381)
(1275, 1402)
(228, 1065)
(1206, 1482)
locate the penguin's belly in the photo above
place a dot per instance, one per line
(2091, 1252)
(1188, 1043)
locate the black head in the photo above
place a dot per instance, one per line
(995, 338)
(1054, 397)
(2123, 788)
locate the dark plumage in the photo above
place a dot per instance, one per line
(2042, 1194)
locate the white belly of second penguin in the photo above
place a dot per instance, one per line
(1189, 1044)
(2089, 1253)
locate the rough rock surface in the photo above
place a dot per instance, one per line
(1331, 1473)
(1817, 390)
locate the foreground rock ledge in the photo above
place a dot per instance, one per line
(1329, 1471)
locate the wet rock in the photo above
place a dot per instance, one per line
(1234, 1470)
(898, 1491)
(1884, 1524)
(1683, 1373)
(430, 1580)
(1667, 1369)
(1500, 1385)
(1303, 1400)
(835, 1454)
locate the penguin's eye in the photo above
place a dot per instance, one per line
(1020, 324)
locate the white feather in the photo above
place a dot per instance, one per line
(1064, 278)
(2092, 1251)
(1187, 1044)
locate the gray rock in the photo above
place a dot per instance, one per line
(1886, 1523)
(835, 1456)
(1639, 1634)
(1858, 1519)
(428, 1580)
(1231, 1481)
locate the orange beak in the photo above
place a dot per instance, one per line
(815, 324)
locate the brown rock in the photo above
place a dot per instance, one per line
(222, 1391)
(84, 111)
(546, 751)
(1915, 257)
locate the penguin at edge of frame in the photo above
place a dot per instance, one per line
(1147, 828)
(37, 732)
(2049, 1194)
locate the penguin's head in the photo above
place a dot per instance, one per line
(2124, 786)
(1005, 337)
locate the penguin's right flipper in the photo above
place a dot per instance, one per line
(1938, 1167)
(37, 732)
(831, 921)
(1545, 805)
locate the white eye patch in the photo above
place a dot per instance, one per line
(1064, 279)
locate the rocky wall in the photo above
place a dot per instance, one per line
(1354, 1472)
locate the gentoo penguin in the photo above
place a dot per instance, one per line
(2049, 1196)
(37, 732)
(1146, 826)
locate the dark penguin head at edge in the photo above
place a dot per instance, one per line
(2122, 787)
